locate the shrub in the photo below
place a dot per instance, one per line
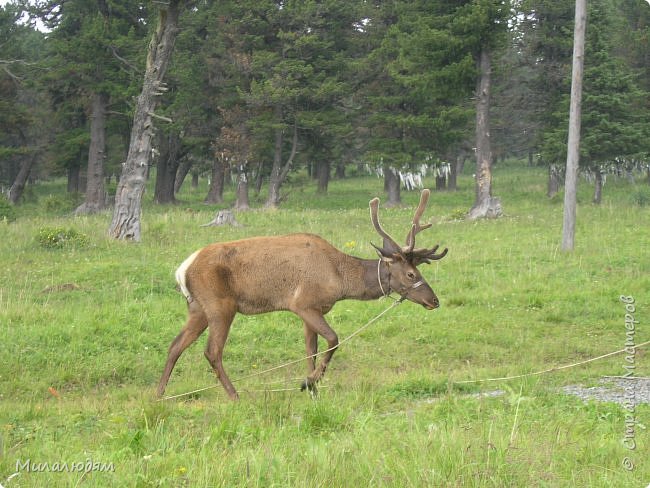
(58, 237)
(458, 214)
(61, 204)
(641, 197)
(7, 212)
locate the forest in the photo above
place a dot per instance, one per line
(253, 92)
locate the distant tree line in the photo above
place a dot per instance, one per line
(257, 89)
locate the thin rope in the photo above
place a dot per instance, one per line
(556, 368)
(275, 368)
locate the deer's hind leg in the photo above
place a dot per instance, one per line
(196, 323)
(220, 317)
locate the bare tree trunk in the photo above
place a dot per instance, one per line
(573, 146)
(128, 198)
(339, 172)
(215, 193)
(259, 179)
(485, 205)
(323, 170)
(441, 182)
(242, 202)
(181, 173)
(18, 186)
(553, 181)
(456, 169)
(170, 154)
(279, 172)
(73, 178)
(598, 186)
(393, 187)
(95, 191)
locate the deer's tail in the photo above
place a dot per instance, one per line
(181, 275)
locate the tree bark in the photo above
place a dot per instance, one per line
(128, 198)
(181, 174)
(18, 186)
(553, 181)
(573, 145)
(215, 193)
(73, 178)
(393, 187)
(242, 202)
(485, 205)
(456, 168)
(95, 191)
(339, 172)
(170, 154)
(598, 186)
(441, 182)
(323, 170)
(279, 171)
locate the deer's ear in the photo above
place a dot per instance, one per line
(383, 254)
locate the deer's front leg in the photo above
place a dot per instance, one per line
(315, 321)
(311, 347)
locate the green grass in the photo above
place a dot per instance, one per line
(92, 320)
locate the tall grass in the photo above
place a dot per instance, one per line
(85, 328)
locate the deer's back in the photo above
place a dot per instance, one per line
(263, 274)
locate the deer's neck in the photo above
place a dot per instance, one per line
(365, 279)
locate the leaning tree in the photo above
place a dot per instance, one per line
(128, 198)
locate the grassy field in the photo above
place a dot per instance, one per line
(85, 330)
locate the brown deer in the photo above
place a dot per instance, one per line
(301, 273)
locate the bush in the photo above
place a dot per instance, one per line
(7, 212)
(62, 204)
(458, 214)
(641, 197)
(58, 237)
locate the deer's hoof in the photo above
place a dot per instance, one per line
(310, 386)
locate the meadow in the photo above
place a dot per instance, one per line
(85, 329)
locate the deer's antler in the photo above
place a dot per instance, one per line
(390, 245)
(416, 256)
(416, 228)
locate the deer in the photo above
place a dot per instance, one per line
(301, 273)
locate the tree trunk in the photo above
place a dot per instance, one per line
(393, 187)
(441, 182)
(456, 168)
(340, 171)
(323, 175)
(73, 178)
(215, 193)
(18, 186)
(195, 180)
(95, 190)
(259, 179)
(598, 186)
(170, 153)
(181, 174)
(242, 202)
(553, 181)
(485, 205)
(128, 198)
(573, 145)
(279, 172)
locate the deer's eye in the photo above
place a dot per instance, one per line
(410, 275)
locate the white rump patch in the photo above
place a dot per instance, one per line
(181, 273)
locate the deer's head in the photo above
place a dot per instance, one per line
(402, 261)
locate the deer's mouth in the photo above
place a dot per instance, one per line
(431, 305)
